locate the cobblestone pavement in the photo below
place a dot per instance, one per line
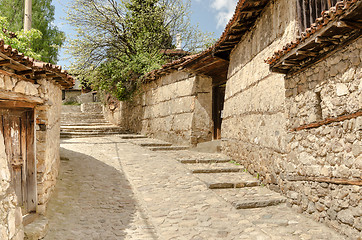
(111, 188)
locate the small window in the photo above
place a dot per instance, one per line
(310, 10)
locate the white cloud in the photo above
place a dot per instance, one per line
(225, 10)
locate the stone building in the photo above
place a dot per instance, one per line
(291, 116)
(30, 104)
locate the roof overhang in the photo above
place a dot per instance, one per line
(31, 70)
(214, 61)
(337, 27)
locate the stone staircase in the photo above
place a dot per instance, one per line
(232, 182)
(75, 123)
(158, 145)
(227, 178)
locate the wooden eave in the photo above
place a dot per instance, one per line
(214, 62)
(246, 14)
(329, 38)
(28, 69)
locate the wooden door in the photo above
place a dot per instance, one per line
(17, 126)
(218, 107)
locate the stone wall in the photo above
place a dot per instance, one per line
(254, 116)
(48, 141)
(47, 150)
(330, 89)
(175, 108)
(319, 168)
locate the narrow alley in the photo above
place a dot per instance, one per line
(117, 187)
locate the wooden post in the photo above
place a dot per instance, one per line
(27, 15)
(32, 201)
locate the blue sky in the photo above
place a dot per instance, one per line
(211, 15)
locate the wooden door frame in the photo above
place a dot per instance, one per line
(30, 150)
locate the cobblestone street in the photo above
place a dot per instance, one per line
(113, 188)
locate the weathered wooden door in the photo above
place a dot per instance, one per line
(17, 126)
(218, 107)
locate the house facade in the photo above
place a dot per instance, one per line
(282, 89)
(30, 105)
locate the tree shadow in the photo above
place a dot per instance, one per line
(93, 200)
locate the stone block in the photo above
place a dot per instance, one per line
(346, 216)
(2, 83)
(341, 89)
(9, 83)
(26, 88)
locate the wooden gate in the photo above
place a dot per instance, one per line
(17, 126)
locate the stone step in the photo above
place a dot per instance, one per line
(132, 136)
(213, 146)
(71, 109)
(207, 160)
(152, 144)
(36, 229)
(94, 129)
(228, 180)
(82, 115)
(214, 167)
(169, 148)
(87, 134)
(105, 123)
(84, 123)
(251, 197)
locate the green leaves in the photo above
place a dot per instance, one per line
(118, 42)
(22, 40)
(48, 44)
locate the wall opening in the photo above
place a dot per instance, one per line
(218, 97)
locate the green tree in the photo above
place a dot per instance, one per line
(20, 40)
(117, 42)
(43, 16)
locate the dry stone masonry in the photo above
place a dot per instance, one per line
(328, 90)
(176, 108)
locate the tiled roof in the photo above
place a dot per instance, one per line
(167, 68)
(32, 69)
(320, 26)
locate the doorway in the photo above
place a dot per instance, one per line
(17, 127)
(217, 109)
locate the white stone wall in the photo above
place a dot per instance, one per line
(254, 123)
(329, 89)
(48, 141)
(175, 108)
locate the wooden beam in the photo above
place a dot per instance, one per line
(253, 9)
(328, 121)
(279, 70)
(342, 181)
(5, 62)
(13, 96)
(24, 72)
(307, 53)
(349, 24)
(31, 173)
(50, 75)
(16, 104)
(42, 72)
(321, 39)
(290, 62)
